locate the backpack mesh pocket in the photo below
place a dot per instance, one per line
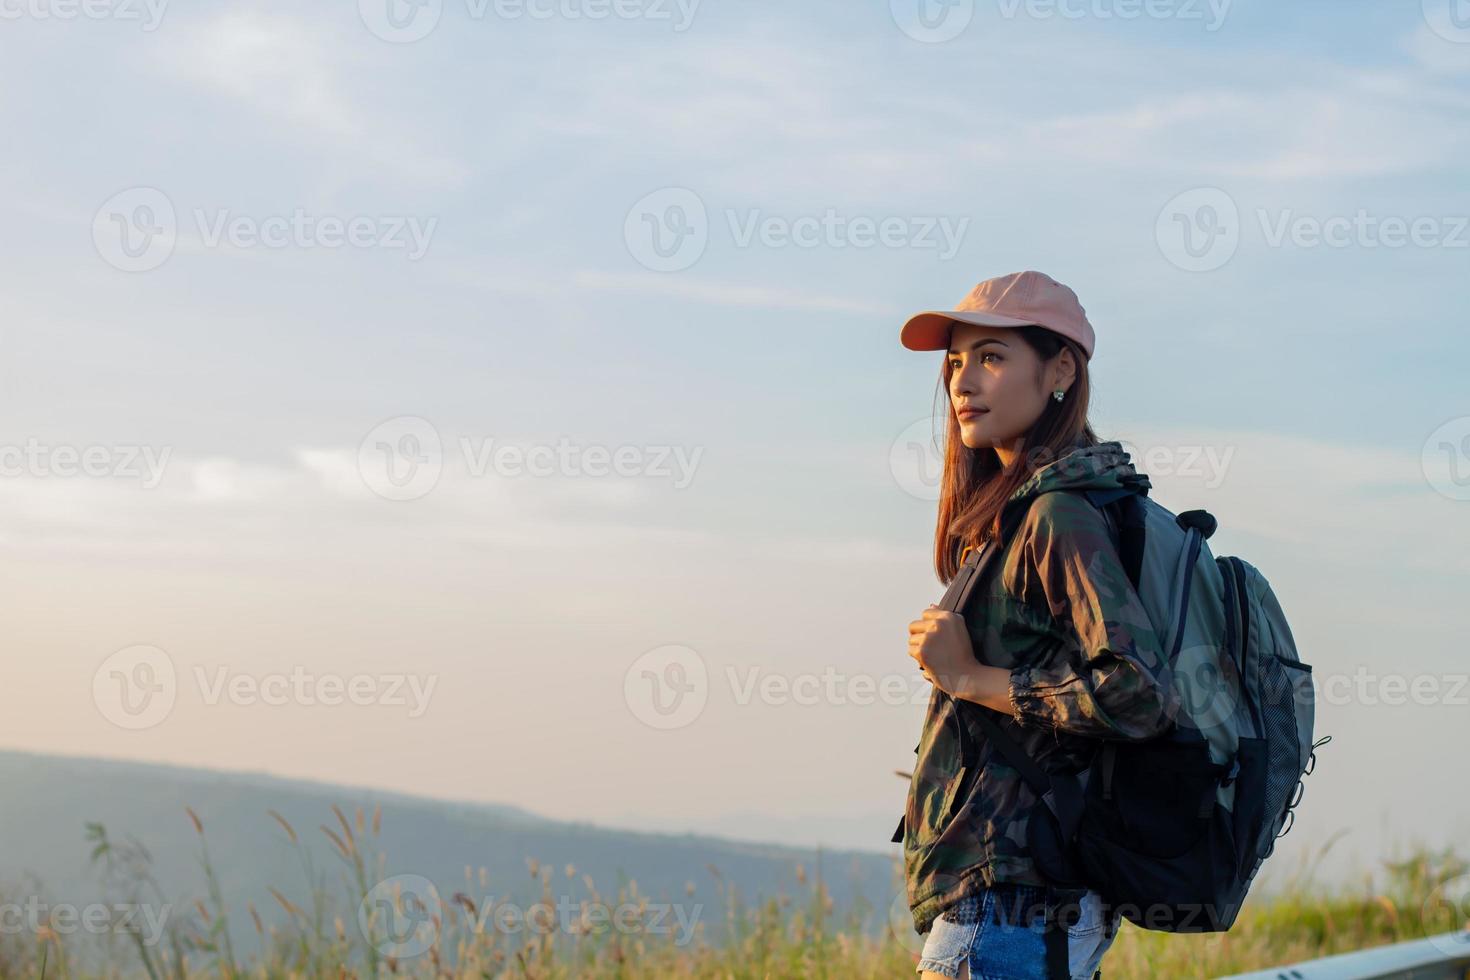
(1283, 683)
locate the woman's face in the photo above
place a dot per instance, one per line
(997, 372)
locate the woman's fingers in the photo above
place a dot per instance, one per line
(916, 651)
(929, 623)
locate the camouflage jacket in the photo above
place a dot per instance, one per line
(1056, 609)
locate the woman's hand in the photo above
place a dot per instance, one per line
(940, 643)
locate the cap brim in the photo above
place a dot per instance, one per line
(931, 330)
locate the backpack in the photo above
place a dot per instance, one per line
(1172, 830)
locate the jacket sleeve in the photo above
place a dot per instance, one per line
(1108, 678)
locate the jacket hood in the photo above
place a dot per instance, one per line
(1104, 466)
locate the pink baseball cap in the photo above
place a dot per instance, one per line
(1016, 300)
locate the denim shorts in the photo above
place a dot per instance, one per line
(1001, 945)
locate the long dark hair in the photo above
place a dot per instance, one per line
(974, 485)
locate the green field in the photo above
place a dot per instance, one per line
(319, 932)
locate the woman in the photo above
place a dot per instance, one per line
(1054, 642)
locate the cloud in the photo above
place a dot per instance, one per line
(286, 68)
(271, 61)
(1341, 125)
(731, 294)
(766, 119)
(225, 505)
(548, 287)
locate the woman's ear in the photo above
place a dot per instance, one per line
(1064, 369)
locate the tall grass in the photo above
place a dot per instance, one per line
(313, 932)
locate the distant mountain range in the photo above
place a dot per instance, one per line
(48, 801)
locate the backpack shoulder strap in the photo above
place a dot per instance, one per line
(1123, 510)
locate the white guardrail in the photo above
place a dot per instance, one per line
(1442, 957)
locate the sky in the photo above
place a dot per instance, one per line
(432, 396)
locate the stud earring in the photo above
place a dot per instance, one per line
(1058, 394)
